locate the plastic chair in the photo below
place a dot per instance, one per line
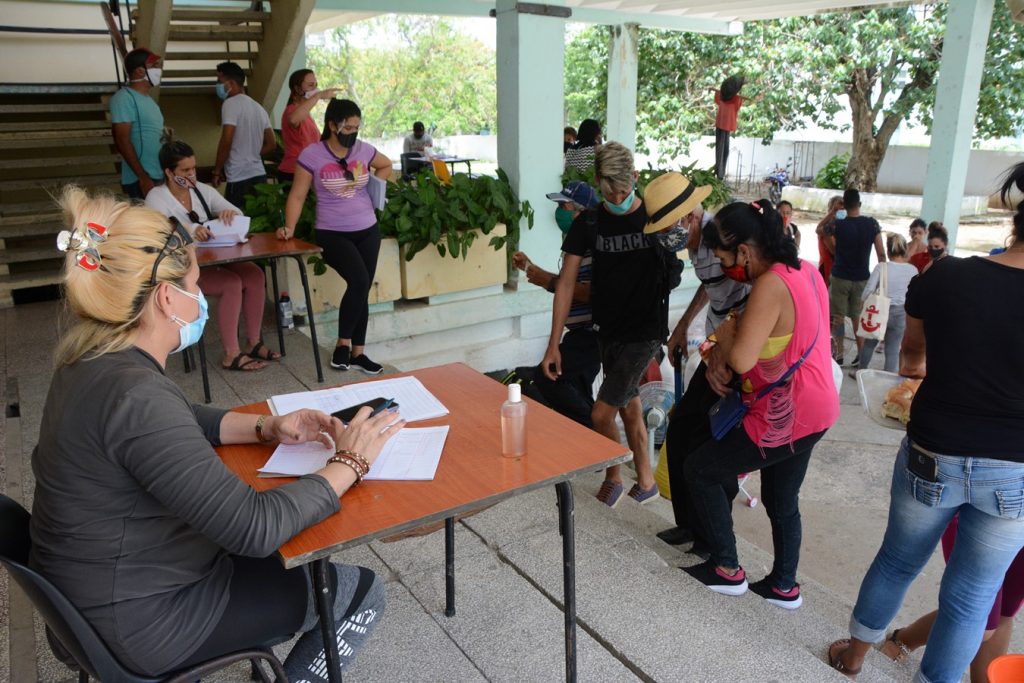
(411, 163)
(441, 171)
(74, 641)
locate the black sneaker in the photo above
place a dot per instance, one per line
(790, 599)
(677, 535)
(717, 580)
(855, 363)
(340, 359)
(363, 363)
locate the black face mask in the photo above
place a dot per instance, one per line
(347, 141)
(935, 253)
(418, 136)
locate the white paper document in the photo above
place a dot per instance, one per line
(224, 235)
(411, 455)
(377, 189)
(414, 401)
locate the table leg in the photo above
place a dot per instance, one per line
(567, 527)
(469, 168)
(325, 610)
(202, 367)
(449, 567)
(311, 318)
(277, 296)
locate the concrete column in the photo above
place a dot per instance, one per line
(283, 33)
(530, 66)
(298, 62)
(956, 103)
(622, 83)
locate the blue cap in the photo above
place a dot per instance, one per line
(577, 192)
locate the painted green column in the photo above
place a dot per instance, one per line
(530, 66)
(956, 103)
(622, 85)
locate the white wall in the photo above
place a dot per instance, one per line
(480, 147)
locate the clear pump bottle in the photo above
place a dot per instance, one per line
(513, 423)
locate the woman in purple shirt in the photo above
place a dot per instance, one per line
(338, 168)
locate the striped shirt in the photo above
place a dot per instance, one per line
(579, 311)
(723, 294)
(582, 159)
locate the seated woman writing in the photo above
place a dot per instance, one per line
(240, 286)
(135, 517)
(777, 355)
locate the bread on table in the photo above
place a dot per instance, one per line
(898, 399)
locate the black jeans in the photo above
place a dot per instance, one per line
(782, 469)
(134, 190)
(721, 151)
(572, 393)
(689, 429)
(236, 192)
(354, 256)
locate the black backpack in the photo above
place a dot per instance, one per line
(670, 271)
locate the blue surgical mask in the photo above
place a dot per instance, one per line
(190, 332)
(841, 214)
(622, 207)
(222, 91)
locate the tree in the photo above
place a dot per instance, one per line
(418, 69)
(883, 62)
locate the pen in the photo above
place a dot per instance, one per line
(384, 406)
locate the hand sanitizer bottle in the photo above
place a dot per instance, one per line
(513, 423)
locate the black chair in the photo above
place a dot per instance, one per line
(411, 163)
(74, 641)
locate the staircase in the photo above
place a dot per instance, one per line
(49, 136)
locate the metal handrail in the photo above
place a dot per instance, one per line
(65, 31)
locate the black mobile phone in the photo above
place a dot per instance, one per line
(376, 404)
(922, 465)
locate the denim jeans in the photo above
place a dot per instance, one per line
(713, 467)
(892, 341)
(989, 495)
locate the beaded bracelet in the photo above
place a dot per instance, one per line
(355, 456)
(259, 429)
(351, 464)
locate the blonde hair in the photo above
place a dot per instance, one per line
(108, 302)
(895, 245)
(613, 166)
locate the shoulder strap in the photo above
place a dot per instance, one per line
(883, 280)
(206, 208)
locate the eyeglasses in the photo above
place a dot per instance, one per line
(177, 239)
(194, 217)
(344, 168)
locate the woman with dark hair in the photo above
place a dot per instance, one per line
(963, 455)
(776, 354)
(581, 155)
(239, 286)
(917, 244)
(298, 129)
(338, 168)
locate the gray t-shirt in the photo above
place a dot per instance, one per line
(134, 513)
(723, 294)
(249, 120)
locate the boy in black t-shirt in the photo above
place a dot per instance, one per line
(630, 310)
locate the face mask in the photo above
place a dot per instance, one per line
(736, 272)
(841, 214)
(347, 141)
(311, 93)
(564, 220)
(418, 136)
(222, 91)
(674, 239)
(622, 207)
(189, 333)
(154, 75)
(935, 253)
(185, 181)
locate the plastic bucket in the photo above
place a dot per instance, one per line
(1006, 669)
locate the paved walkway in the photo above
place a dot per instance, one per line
(640, 617)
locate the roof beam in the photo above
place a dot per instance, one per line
(749, 10)
(474, 8)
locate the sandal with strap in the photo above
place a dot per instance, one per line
(238, 366)
(271, 355)
(894, 648)
(835, 659)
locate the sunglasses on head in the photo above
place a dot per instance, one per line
(177, 240)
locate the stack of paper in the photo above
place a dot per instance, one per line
(224, 235)
(413, 399)
(411, 454)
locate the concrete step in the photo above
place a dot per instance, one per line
(49, 108)
(195, 73)
(12, 209)
(7, 138)
(52, 125)
(59, 142)
(214, 32)
(54, 183)
(212, 56)
(28, 254)
(36, 278)
(31, 225)
(225, 16)
(85, 160)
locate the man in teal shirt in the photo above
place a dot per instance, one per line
(138, 123)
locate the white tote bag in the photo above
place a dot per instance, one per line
(874, 315)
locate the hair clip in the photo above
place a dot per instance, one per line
(84, 243)
(757, 207)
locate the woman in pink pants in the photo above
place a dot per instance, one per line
(239, 286)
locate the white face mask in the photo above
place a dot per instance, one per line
(154, 75)
(311, 93)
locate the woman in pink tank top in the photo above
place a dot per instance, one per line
(785, 324)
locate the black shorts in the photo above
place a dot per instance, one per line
(623, 364)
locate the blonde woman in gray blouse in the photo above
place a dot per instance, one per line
(135, 517)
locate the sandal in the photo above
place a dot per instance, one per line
(894, 648)
(238, 366)
(270, 354)
(835, 659)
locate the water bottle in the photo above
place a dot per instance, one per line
(513, 423)
(284, 312)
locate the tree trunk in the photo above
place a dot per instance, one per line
(862, 170)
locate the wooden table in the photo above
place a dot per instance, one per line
(472, 474)
(264, 245)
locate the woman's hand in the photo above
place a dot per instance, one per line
(301, 426)
(284, 233)
(718, 374)
(202, 233)
(366, 435)
(228, 215)
(327, 94)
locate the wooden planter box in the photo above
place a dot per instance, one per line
(430, 274)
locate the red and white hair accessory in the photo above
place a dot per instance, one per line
(84, 242)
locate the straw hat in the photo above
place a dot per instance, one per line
(668, 198)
